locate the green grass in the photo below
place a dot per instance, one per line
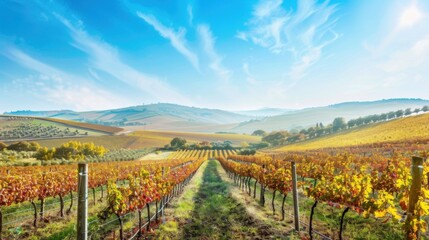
(212, 213)
(55, 227)
(327, 219)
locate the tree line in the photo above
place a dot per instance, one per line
(179, 143)
(276, 138)
(72, 150)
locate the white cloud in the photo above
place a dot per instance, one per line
(94, 74)
(410, 16)
(241, 35)
(177, 39)
(268, 8)
(405, 59)
(209, 47)
(26, 61)
(190, 14)
(303, 32)
(104, 57)
(56, 86)
(302, 64)
(249, 77)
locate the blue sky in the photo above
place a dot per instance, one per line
(241, 54)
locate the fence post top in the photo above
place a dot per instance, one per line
(83, 167)
(417, 160)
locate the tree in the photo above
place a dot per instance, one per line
(320, 131)
(376, 117)
(45, 154)
(338, 124)
(425, 108)
(408, 112)
(311, 131)
(2, 146)
(351, 123)
(20, 146)
(247, 152)
(259, 132)
(178, 142)
(34, 146)
(417, 110)
(276, 138)
(391, 115)
(259, 145)
(359, 121)
(227, 144)
(244, 144)
(328, 129)
(399, 113)
(68, 152)
(303, 131)
(296, 138)
(71, 151)
(367, 119)
(205, 145)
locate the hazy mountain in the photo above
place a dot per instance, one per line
(164, 116)
(310, 116)
(40, 113)
(265, 112)
(146, 115)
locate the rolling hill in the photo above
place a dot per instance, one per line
(144, 139)
(265, 112)
(19, 128)
(168, 114)
(172, 117)
(310, 116)
(407, 128)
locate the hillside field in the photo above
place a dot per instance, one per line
(143, 139)
(18, 129)
(39, 127)
(408, 128)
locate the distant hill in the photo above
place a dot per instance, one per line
(265, 112)
(39, 113)
(173, 117)
(310, 116)
(153, 114)
(144, 139)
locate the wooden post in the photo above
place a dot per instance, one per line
(416, 187)
(163, 199)
(82, 203)
(148, 217)
(295, 197)
(262, 193)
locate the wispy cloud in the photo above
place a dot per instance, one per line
(190, 11)
(249, 77)
(208, 42)
(176, 38)
(59, 87)
(412, 57)
(104, 57)
(303, 32)
(399, 55)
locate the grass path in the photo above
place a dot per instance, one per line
(213, 207)
(207, 211)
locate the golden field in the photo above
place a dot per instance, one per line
(143, 139)
(407, 128)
